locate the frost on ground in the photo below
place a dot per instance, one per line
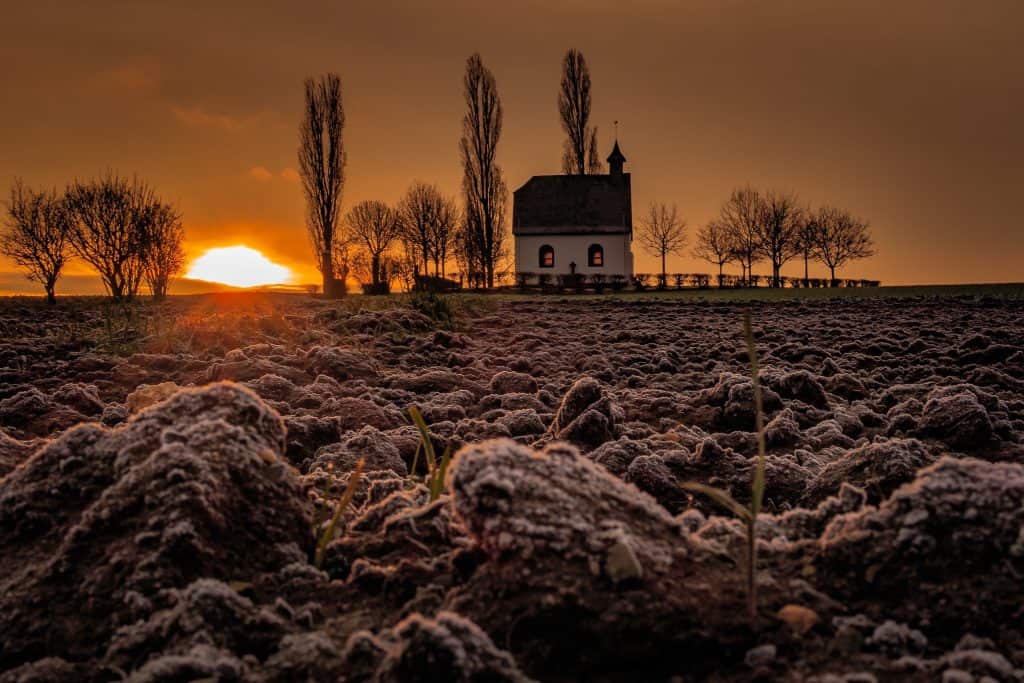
(161, 492)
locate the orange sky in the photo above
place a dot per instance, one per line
(908, 113)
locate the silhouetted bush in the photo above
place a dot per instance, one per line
(618, 282)
(434, 283)
(579, 282)
(597, 281)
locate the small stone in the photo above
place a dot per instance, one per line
(762, 655)
(801, 619)
(621, 563)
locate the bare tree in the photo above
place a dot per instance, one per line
(374, 226)
(840, 237)
(580, 155)
(741, 215)
(341, 261)
(778, 230)
(417, 211)
(714, 246)
(594, 163)
(109, 230)
(484, 189)
(662, 233)
(322, 169)
(35, 236)
(808, 229)
(443, 233)
(164, 255)
(429, 221)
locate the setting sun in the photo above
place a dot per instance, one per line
(239, 266)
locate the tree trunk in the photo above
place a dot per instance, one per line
(807, 278)
(50, 297)
(375, 270)
(833, 271)
(327, 269)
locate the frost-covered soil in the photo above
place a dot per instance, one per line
(160, 499)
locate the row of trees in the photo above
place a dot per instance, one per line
(116, 225)
(428, 228)
(754, 227)
(377, 243)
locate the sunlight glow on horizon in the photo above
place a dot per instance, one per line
(238, 266)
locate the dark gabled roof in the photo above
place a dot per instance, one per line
(573, 204)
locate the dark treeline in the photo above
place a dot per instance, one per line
(116, 225)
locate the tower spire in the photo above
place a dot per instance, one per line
(616, 159)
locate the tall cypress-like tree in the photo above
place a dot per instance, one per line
(322, 169)
(483, 186)
(580, 155)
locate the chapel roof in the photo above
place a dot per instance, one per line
(573, 204)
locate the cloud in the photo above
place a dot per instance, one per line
(142, 75)
(290, 174)
(200, 118)
(260, 173)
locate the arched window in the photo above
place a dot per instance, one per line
(595, 256)
(547, 256)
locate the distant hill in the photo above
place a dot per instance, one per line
(15, 284)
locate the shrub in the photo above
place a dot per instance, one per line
(523, 281)
(434, 283)
(618, 282)
(641, 281)
(579, 282)
(435, 306)
(597, 281)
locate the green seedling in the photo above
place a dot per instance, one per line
(436, 469)
(747, 514)
(339, 510)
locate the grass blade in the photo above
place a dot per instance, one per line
(437, 481)
(339, 510)
(757, 486)
(428, 445)
(719, 496)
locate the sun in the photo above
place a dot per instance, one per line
(238, 266)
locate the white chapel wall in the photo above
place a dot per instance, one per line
(618, 258)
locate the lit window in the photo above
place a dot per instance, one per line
(595, 256)
(547, 256)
